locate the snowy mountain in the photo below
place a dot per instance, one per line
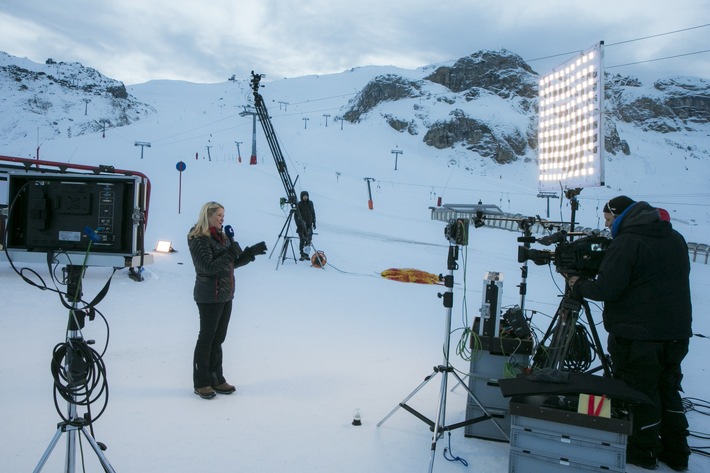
(477, 114)
(56, 96)
(486, 102)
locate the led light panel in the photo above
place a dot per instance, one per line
(164, 246)
(570, 137)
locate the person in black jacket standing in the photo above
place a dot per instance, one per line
(644, 283)
(215, 255)
(308, 220)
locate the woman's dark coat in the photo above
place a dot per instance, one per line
(215, 259)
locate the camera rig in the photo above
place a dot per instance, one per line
(281, 167)
(566, 344)
(273, 142)
(581, 257)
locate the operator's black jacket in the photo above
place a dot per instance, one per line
(214, 262)
(643, 278)
(307, 211)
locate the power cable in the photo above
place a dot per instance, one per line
(657, 35)
(657, 59)
(607, 45)
(553, 56)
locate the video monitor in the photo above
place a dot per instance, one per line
(65, 212)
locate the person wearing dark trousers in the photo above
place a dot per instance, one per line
(644, 283)
(308, 220)
(215, 254)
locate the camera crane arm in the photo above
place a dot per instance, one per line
(268, 128)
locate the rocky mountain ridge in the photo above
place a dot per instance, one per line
(485, 103)
(57, 97)
(669, 105)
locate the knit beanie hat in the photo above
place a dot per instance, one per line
(617, 205)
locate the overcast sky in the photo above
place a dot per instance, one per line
(135, 41)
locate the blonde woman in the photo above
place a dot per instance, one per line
(215, 255)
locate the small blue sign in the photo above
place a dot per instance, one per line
(180, 166)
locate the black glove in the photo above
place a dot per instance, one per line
(258, 249)
(576, 289)
(234, 249)
(229, 231)
(314, 225)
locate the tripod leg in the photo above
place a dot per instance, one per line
(284, 250)
(559, 346)
(411, 395)
(48, 451)
(562, 329)
(608, 372)
(440, 421)
(293, 252)
(282, 233)
(459, 383)
(99, 453)
(481, 406)
(70, 463)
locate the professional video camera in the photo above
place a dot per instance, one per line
(581, 257)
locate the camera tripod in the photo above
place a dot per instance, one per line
(438, 425)
(74, 425)
(562, 331)
(287, 243)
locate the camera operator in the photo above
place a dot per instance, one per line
(308, 221)
(643, 281)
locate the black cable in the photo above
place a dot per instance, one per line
(701, 406)
(78, 371)
(79, 375)
(700, 451)
(580, 355)
(20, 272)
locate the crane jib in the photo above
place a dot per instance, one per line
(273, 143)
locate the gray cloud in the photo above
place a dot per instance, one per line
(138, 40)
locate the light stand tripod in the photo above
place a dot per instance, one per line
(438, 426)
(74, 363)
